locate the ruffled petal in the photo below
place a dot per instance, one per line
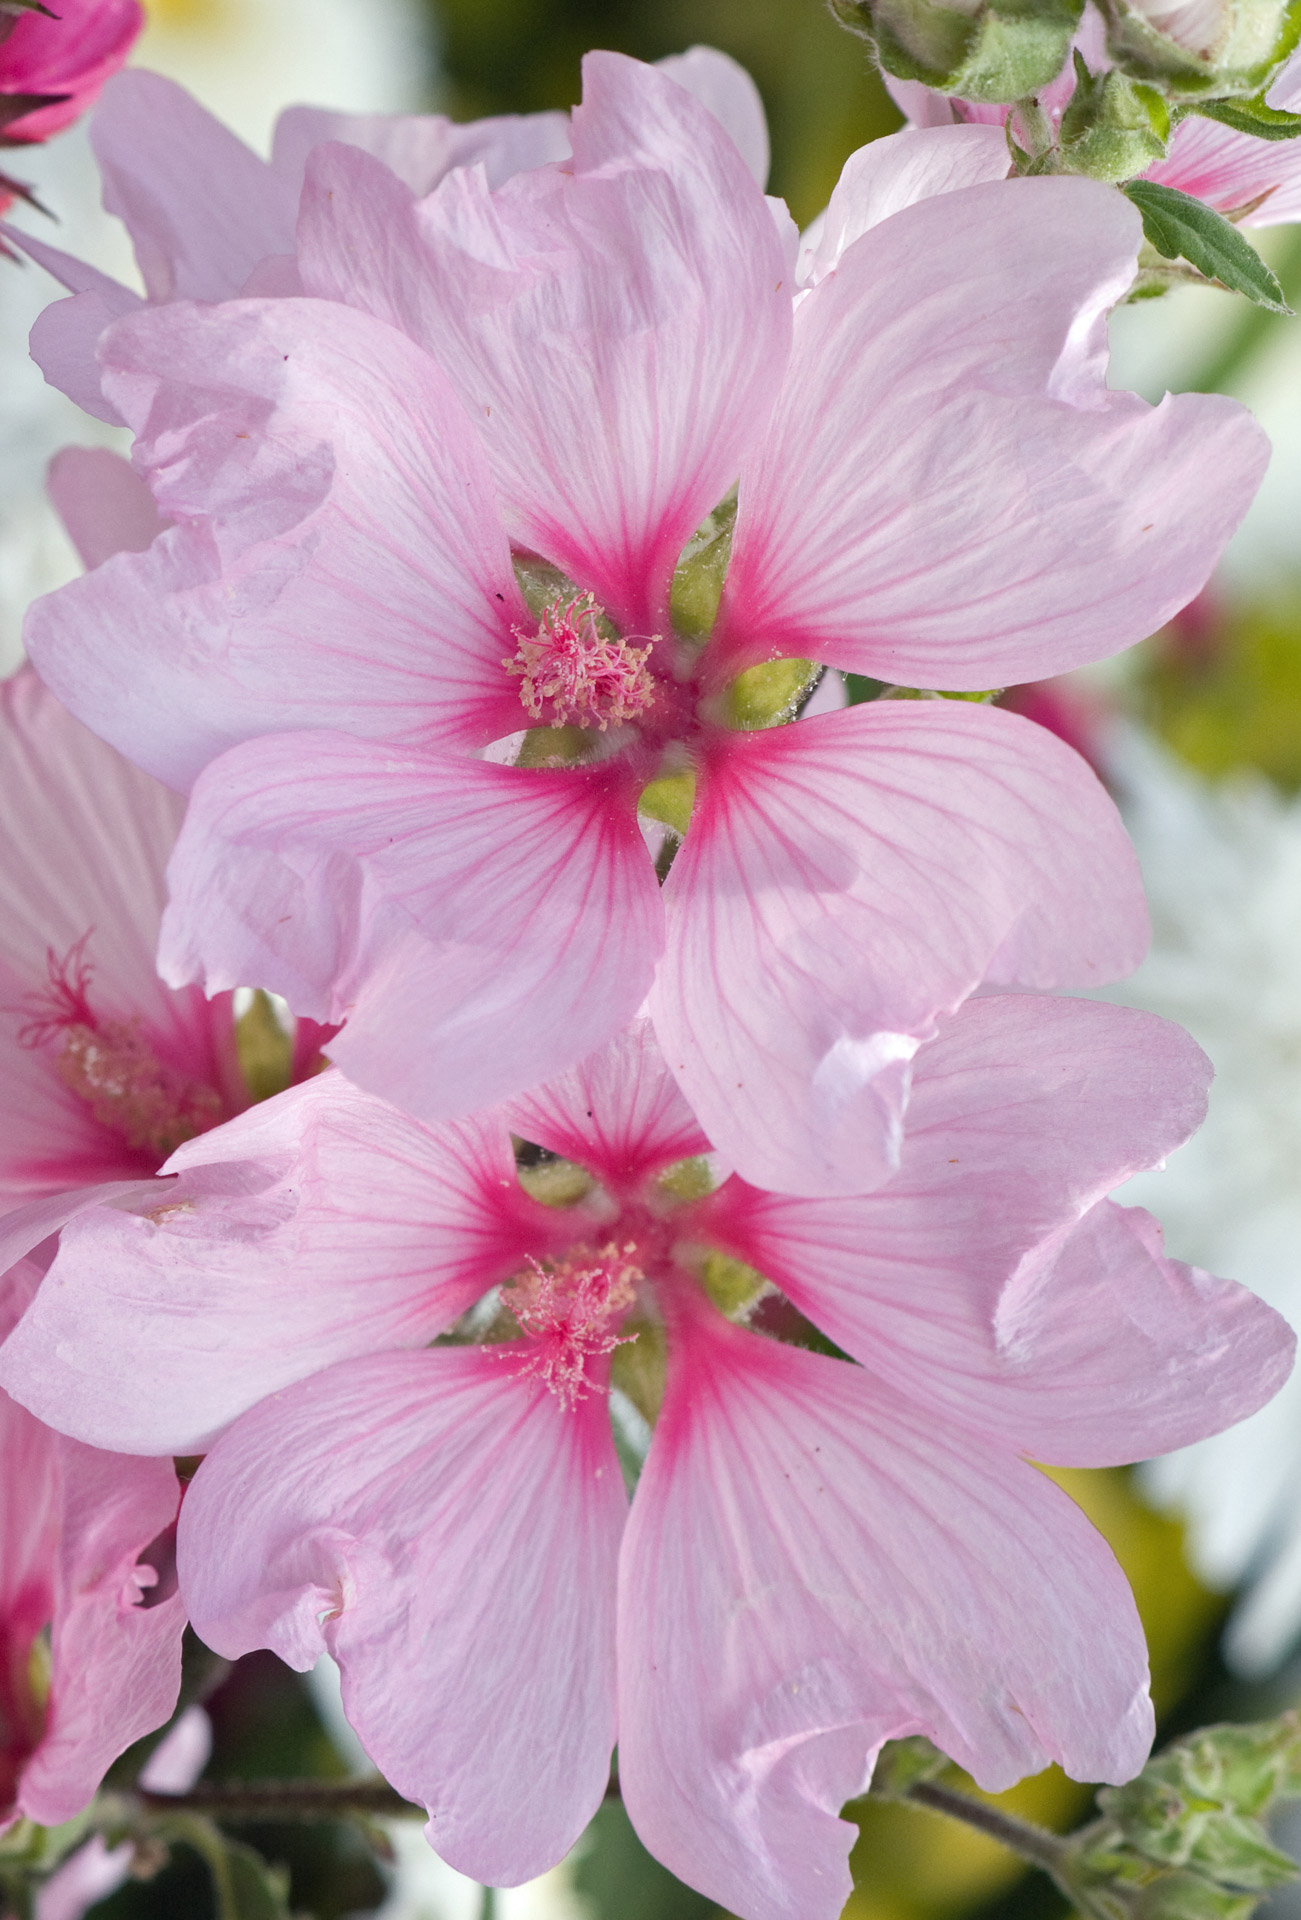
(201, 208)
(990, 1278)
(420, 148)
(894, 173)
(813, 1566)
(318, 1225)
(446, 1530)
(65, 337)
(115, 1648)
(339, 555)
(588, 317)
(619, 1112)
(479, 927)
(948, 494)
(847, 880)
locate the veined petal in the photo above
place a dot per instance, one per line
(619, 1112)
(888, 175)
(845, 882)
(449, 1533)
(948, 495)
(1230, 170)
(338, 556)
(589, 319)
(318, 1225)
(813, 1566)
(479, 927)
(723, 85)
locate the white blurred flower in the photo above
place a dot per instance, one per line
(1223, 871)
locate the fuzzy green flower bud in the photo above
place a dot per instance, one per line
(1196, 49)
(1113, 127)
(993, 51)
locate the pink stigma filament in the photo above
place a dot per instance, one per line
(569, 668)
(112, 1066)
(569, 1312)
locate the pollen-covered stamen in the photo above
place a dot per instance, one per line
(571, 672)
(569, 1311)
(112, 1064)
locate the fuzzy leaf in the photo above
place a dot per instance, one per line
(1256, 117)
(1179, 226)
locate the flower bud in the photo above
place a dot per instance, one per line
(1113, 128)
(1192, 49)
(982, 51)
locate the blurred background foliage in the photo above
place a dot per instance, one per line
(1222, 685)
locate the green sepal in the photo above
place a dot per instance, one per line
(999, 52)
(1113, 127)
(1178, 226)
(1254, 116)
(904, 1764)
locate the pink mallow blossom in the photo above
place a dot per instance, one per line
(399, 1357)
(105, 1070)
(1257, 183)
(570, 371)
(90, 1616)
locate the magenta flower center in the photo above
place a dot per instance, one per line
(569, 1311)
(574, 673)
(113, 1066)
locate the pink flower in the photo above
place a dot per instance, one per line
(90, 1616)
(1257, 182)
(53, 66)
(936, 487)
(821, 1554)
(209, 219)
(105, 1070)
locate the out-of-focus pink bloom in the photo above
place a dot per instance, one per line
(53, 66)
(104, 1070)
(210, 219)
(1258, 182)
(929, 492)
(90, 1615)
(821, 1555)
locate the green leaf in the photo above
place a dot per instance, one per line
(244, 1885)
(1179, 226)
(1252, 116)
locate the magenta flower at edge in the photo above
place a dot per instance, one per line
(821, 1554)
(66, 58)
(936, 487)
(85, 1553)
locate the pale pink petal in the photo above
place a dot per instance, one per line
(588, 317)
(894, 173)
(102, 501)
(448, 1531)
(1231, 170)
(421, 147)
(813, 1566)
(201, 208)
(619, 1112)
(22, 1229)
(948, 495)
(180, 1757)
(317, 1225)
(115, 1651)
(990, 1279)
(84, 1879)
(71, 54)
(479, 927)
(340, 558)
(848, 880)
(723, 85)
